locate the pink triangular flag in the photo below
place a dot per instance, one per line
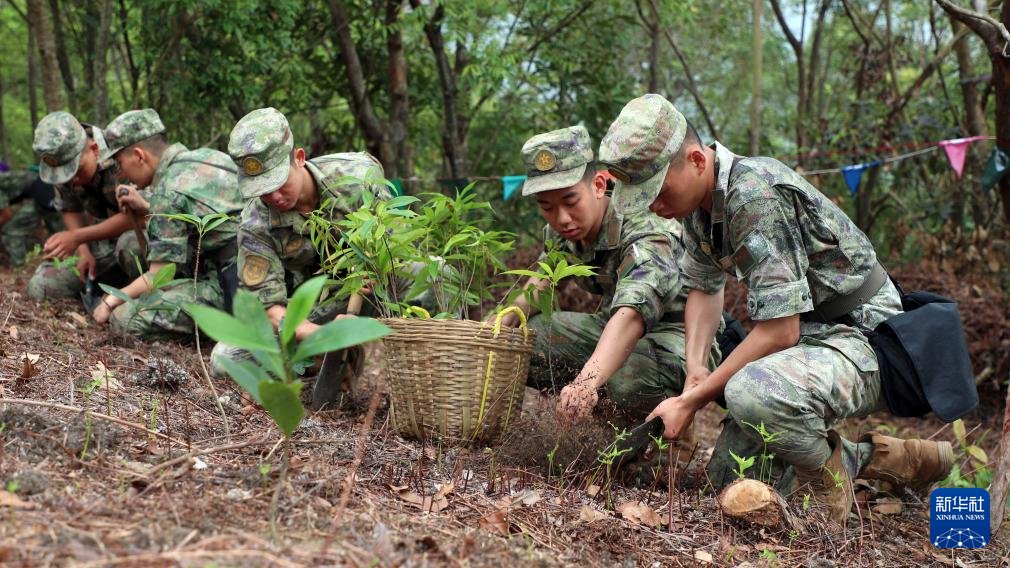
(956, 151)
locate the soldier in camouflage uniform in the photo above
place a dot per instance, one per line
(25, 200)
(798, 253)
(198, 182)
(96, 231)
(634, 345)
(281, 189)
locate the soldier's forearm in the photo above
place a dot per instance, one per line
(616, 343)
(108, 229)
(701, 320)
(768, 337)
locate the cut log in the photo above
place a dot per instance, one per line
(755, 502)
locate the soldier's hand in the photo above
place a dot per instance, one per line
(128, 197)
(60, 245)
(510, 319)
(577, 401)
(102, 312)
(86, 264)
(677, 414)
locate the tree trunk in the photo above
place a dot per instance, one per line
(41, 20)
(361, 105)
(399, 99)
(128, 50)
(801, 81)
(452, 123)
(3, 127)
(100, 87)
(996, 37)
(61, 54)
(33, 65)
(757, 8)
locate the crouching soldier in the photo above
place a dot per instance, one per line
(72, 158)
(633, 346)
(813, 281)
(24, 201)
(175, 180)
(281, 188)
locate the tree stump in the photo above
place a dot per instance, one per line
(757, 503)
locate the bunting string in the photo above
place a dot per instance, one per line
(955, 149)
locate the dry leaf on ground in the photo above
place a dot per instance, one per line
(428, 503)
(496, 522)
(591, 515)
(13, 501)
(639, 513)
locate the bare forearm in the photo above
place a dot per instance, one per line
(108, 229)
(701, 320)
(616, 343)
(768, 337)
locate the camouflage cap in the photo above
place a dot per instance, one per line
(638, 147)
(261, 144)
(556, 159)
(129, 128)
(59, 141)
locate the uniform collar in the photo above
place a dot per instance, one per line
(167, 157)
(723, 164)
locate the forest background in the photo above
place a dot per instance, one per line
(450, 90)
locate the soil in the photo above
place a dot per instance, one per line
(86, 490)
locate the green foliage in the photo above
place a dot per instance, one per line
(765, 468)
(971, 467)
(742, 464)
(553, 270)
(388, 246)
(272, 380)
(164, 277)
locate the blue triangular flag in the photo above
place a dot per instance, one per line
(853, 175)
(510, 184)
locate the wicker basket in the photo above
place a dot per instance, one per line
(458, 380)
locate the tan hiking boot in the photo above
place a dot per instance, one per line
(829, 485)
(912, 463)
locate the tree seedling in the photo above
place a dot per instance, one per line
(271, 380)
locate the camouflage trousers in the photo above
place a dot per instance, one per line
(160, 314)
(122, 256)
(654, 370)
(17, 233)
(797, 395)
(320, 314)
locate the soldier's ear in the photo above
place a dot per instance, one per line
(600, 184)
(299, 157)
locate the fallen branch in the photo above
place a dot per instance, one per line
(359, 455)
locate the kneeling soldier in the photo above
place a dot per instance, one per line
(633, 347)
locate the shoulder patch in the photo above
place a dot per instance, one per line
(254, 270)
(752, 251)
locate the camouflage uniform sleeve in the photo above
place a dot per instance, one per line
(7, 189)
(168, 239)
(770, 259)
(697, 270)
(259, 266)
(647, 274)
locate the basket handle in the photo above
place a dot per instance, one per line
(496, 330)
(416, 311)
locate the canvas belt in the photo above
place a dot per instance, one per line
(834, 309)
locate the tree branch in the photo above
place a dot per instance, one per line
(991, 31)
(795, 43)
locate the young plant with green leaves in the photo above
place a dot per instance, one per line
(742, 464)
(553, 269)
(971, 469)
(767, 459)
(271, 379)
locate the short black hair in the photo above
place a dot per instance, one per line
(155, 144)
(691, 139)
(589, 174)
